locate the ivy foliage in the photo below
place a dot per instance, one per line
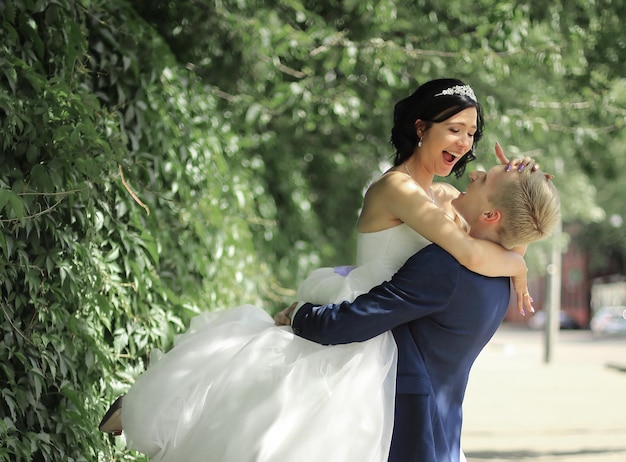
(120, 217)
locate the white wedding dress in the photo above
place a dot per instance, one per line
(237, 388)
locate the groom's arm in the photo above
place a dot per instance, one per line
(424, 285)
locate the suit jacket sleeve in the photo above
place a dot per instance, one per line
(423, 285)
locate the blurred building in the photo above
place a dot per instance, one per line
(576, 286)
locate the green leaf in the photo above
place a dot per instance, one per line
(121, 340)
(40, 179)
(32, 153)
(152, 246)
(17, 205)
(11, 76)
(5, 194)
(112, 255)
(9, 399)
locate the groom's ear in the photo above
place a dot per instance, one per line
(492, 216)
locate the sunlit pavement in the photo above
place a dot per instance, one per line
(519, 408)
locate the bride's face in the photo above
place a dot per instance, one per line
(444, 143)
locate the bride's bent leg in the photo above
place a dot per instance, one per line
(167, 400)
(112, 420)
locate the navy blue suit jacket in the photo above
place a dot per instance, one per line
(441, 315)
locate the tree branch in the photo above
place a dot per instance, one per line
(131, 192)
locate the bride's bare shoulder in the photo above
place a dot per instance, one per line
(446, 191)
(391, 180)
(375, 213)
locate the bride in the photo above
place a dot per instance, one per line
(238, 388)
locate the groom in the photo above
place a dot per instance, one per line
(440, 313)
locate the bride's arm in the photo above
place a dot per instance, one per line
(406, 201)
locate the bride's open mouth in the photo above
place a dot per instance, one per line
(450, 156)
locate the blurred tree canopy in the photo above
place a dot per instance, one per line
(160, 158)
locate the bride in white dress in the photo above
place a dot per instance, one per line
(237, 388)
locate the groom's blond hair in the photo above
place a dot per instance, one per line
(530, 207)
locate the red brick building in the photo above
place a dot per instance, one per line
(575, 289)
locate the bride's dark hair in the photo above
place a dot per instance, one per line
(434, 101)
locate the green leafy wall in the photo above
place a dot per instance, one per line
(120, 217)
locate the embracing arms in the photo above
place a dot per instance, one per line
(400, 198)
(423, 286)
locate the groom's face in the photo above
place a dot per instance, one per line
(475, 202)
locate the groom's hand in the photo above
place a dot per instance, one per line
(283, 318)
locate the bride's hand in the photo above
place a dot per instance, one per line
(283, 318)
(524, 300)
(501, 155)
(515, 164)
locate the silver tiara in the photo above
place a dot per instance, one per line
(463, 90)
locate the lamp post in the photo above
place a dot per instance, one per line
(552, 324)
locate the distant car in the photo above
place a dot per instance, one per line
(609, 320)
(538, 321)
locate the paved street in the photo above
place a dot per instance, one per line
(518, 408)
